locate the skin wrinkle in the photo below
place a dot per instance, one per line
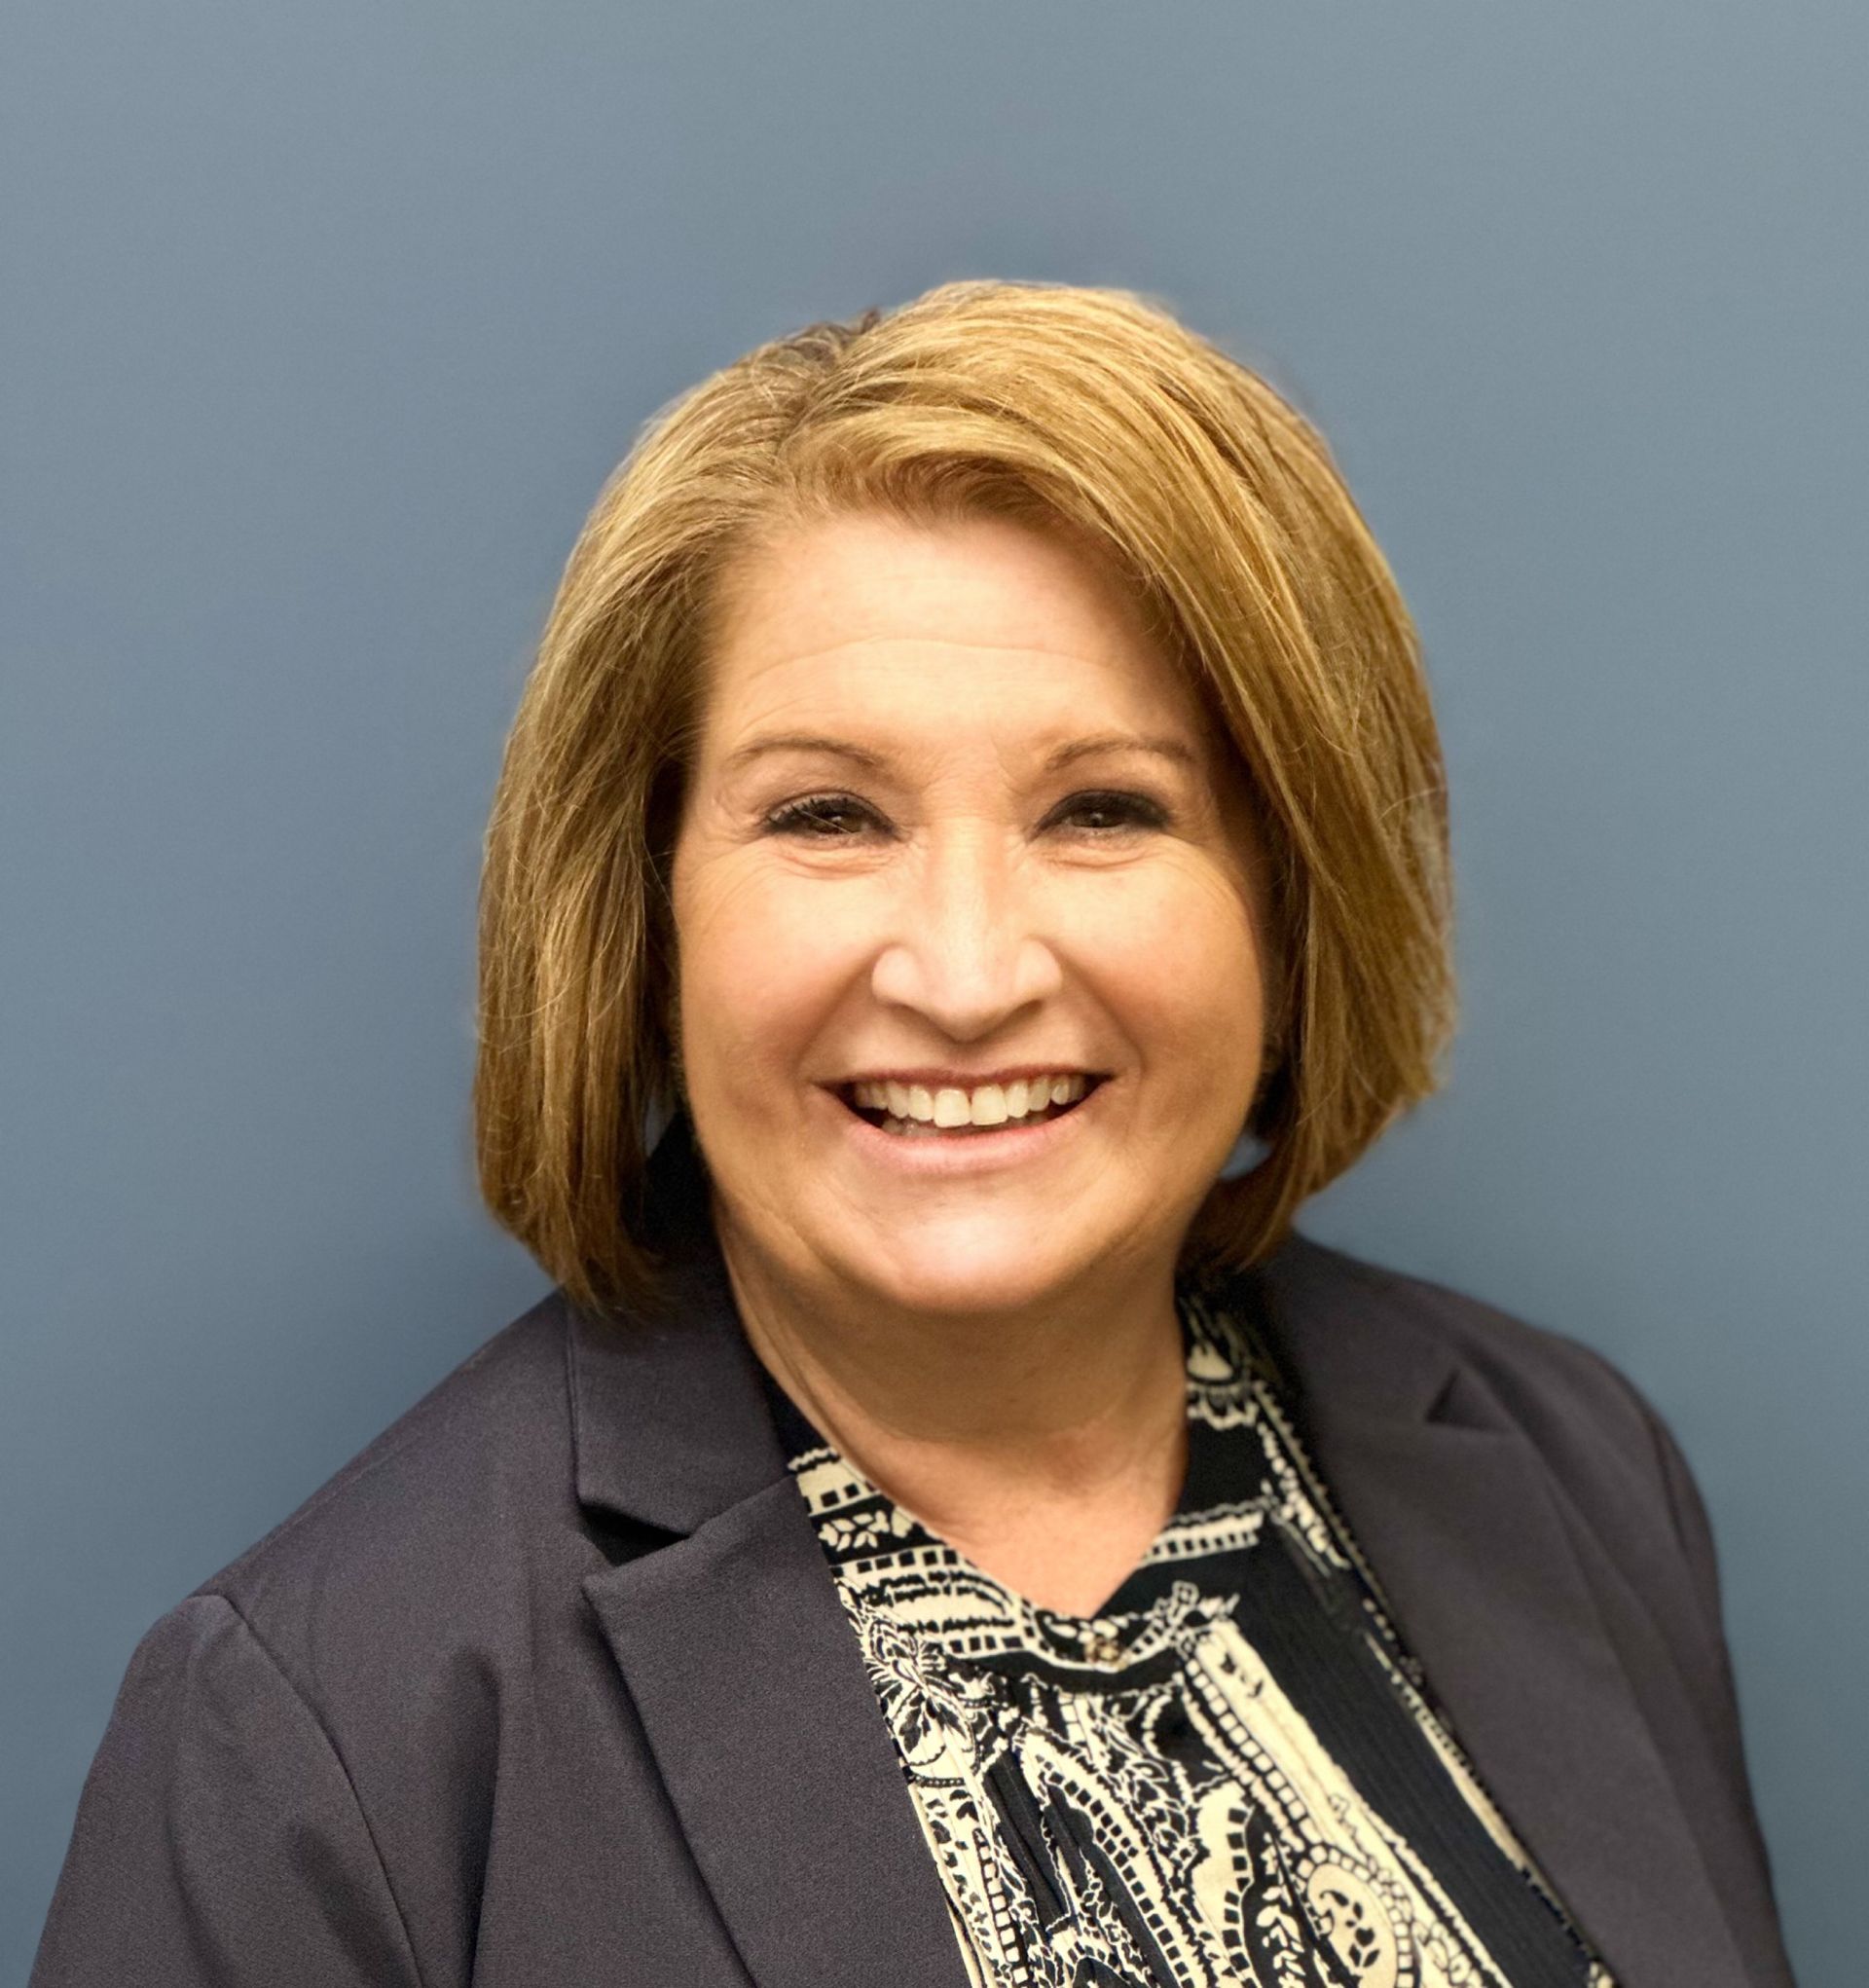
(998, 1351)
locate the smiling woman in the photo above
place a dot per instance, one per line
(1185, 522)
(947, 1525)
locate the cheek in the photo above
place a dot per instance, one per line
(756, 968)
(1178, 941)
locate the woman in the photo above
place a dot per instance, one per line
(947, 1525)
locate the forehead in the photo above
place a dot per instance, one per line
(870, 609)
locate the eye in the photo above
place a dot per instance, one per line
(1121, 811)
(840, 816)
(815, 818)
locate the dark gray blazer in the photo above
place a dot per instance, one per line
(550, 1688)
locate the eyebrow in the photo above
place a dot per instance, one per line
(1176, 750)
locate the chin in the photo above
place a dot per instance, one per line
(972, 1262)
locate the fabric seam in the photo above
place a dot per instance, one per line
(350, 1788)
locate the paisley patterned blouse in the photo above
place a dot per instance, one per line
(1234, 1774)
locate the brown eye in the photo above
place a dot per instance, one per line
(1117, 811)
(817, 817)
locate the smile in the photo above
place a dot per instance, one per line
(925, 1148)
(915, 1112)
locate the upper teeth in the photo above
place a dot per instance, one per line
(991, 1104)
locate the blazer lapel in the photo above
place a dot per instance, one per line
(1461, 1523)
(766, 1731)
(733, 1645)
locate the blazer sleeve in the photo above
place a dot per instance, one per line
(218, 1840)
(1721, 1696)
(1744, 1868)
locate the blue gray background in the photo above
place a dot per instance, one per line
(323, 324)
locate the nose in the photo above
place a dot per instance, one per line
(966, 952)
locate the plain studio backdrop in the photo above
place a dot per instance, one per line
(323, 324)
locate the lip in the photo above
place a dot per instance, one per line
(989, 1152)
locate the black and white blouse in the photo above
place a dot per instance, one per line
(1234, 1774)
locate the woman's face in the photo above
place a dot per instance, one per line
(926, 846)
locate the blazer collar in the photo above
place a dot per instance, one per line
(668, 1419)
(739, 1661)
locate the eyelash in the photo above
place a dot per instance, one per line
(820, 807)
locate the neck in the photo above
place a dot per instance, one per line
(990, 1426)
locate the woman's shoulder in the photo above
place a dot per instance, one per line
(1528, 1360)
(1369, 1329)
(1393, 1348)
(431, 1534)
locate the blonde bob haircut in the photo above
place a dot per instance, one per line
(1091, 411)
